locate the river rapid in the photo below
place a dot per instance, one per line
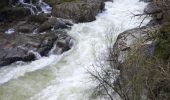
(65, 77)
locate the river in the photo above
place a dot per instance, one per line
(65, 77)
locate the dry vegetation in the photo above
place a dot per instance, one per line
(141, 76)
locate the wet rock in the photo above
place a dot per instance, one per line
(55, 23)
(146, 0)
(153, 22)
(21, 47)
(63, 44)
(45, 26)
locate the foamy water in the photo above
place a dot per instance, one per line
(65, 77)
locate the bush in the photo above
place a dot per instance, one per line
(163, 42)
(140, 78)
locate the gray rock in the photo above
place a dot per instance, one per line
(126, 40)
(55, 23)
(22, 47)
(37, 18)
(27, 28)
(152, 8)
(79, 11)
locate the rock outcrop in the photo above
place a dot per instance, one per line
(126, 41)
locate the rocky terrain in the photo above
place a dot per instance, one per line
(28, 29)
(31, 29)
(141, 53)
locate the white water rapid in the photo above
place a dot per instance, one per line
(45, 8)
(65, 77)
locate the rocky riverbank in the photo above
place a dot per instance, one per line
(27, 34)
(141, 53)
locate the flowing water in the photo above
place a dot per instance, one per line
(65, 77)
(44, 7)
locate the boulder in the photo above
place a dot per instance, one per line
(126, 41)
(152, 8)
(156, 12)
(78, 11)
(55, 23)
(24, 47)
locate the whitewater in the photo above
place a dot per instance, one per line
(65, 77)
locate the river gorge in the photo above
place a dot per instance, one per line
(64, 76)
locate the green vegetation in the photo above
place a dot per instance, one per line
(163, 42)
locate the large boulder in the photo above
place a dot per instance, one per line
(127, 40)
(79, 11)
